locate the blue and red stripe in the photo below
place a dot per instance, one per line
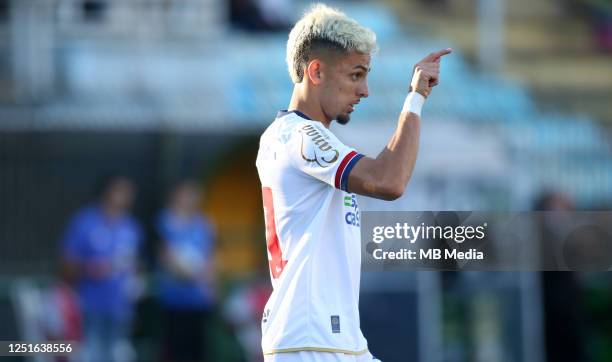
(343, 171)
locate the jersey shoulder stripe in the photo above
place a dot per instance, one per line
(347, 164)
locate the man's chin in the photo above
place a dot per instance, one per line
(343, 118)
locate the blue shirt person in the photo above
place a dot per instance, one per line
(100, 254)
(188, 242)
(186, 274)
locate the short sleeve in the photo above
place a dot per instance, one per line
(314, 150)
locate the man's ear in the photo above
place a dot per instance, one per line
(313, 71)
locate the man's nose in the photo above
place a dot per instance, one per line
(363, 90)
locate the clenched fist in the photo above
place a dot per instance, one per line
(426, 72)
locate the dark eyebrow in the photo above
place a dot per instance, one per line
(362, 67)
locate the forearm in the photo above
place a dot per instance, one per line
(397, 160)
(385, 177)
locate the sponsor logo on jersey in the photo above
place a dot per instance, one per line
(324, 154)
(266, 315)
(352, 217)
(335, 323)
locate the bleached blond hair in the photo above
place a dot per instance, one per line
(323, 27)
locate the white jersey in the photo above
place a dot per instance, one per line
(313, 239)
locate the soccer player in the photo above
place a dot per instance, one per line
(309, 181)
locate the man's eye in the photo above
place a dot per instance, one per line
(356, 76)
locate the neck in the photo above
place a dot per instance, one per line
(111, 212)
(182, 212)
(307, 103)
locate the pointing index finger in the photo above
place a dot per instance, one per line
(435, 56)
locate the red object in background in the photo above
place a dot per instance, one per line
(65, 301)
(257, 297)
(68, 306)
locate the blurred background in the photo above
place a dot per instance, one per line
(130, 208)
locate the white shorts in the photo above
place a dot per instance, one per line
(313, 356)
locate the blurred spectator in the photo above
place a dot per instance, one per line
(186, 285)
(99, 252)
(563, 321)
(260, 15)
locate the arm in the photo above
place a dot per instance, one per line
(386, 176)
(170, 262)
(74, 262)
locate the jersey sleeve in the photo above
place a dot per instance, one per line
(315, 151)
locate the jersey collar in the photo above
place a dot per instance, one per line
(285, 112)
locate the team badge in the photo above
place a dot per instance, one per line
(335, 323)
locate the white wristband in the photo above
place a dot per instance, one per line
(414, 103)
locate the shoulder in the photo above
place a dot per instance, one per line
(204, 222)
(163, 222)
(311, 135)
(163, 216)
(130, 222)
(290, 124)
(86, 215)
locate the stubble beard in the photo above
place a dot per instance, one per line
(343, 118)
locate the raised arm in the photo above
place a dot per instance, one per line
(386, 176)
